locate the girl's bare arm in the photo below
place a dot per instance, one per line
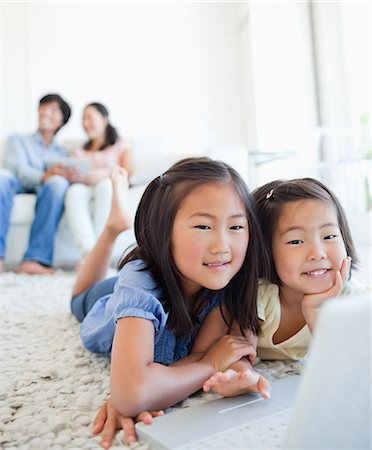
(139, 384)
(109, 419)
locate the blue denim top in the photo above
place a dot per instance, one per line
(25, 156)
(136, 295)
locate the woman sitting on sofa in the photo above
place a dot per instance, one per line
(88, 200)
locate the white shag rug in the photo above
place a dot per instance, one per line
(51, 387)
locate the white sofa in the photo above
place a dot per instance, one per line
(153, 155)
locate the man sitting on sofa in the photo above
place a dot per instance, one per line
(25, 159)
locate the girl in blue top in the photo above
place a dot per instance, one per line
(192, 279)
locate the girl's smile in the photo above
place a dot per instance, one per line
(317, 273)
(219, 265)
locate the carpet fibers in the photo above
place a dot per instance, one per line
(51, 387)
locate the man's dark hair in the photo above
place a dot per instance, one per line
(63, 105)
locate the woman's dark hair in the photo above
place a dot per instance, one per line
(273, 196)
(63, 106)
(111, 135)
(153, 229)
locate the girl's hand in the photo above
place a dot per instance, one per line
(311, 302)
(228, 350)
(231, 383)
(109, 420)
(341, 276)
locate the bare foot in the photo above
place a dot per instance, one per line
(34, 268)
(119, 218)
(2, 266)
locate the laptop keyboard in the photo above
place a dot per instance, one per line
(268, 433)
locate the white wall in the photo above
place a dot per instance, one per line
(279, 87)
(282, 73)
(209, 72)
(160, 67)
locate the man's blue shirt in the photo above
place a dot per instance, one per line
(25, 156)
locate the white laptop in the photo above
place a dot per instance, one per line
(329, 406)
(333, 409)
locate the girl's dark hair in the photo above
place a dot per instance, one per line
(270, 199)
(111, 134)
(153, 229)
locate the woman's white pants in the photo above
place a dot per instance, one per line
(87, 209)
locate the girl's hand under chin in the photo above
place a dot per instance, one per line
(311, 302)
(341, 276)
(232, 382)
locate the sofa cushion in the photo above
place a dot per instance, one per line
(23, 209)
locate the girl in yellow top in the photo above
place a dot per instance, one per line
(311, 255)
